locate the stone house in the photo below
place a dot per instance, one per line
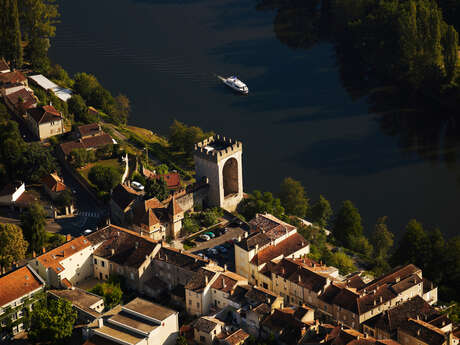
(19, 290)
(67, 264)
(270, 239)
(423, 333)
(158, 220)
(13, 77)
(53, 185)
(386, 324)
(123, 252)
(207, 329)
(45, 121)
(20, 101)
(122, 203)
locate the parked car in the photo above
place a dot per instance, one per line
(212, 251)
(87, 232)
(205, 237)
(223, 230)
(210, 234)
(222, 249)
(137, 186)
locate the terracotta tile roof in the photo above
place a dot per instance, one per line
(270, 224)
(122, 246)
(12, 77)
(237, 337)
(28, 99)
(286, 247)
(97, 141)
(284, 324)
(86, 143)
(396, 317)
(27, 198)
(256, 239)
(330, 293)
(174, 208)
(397, 274)
(206, 324)
(124, 196)
(18, 283)
(348, 300)
(52, 258)
(4, 65)
(44, 114)
(181, 259)
(227, 281)
(89, 130)
(200, 280)
(144, 216)
(54, 182)
(424, 332)
(257, 294)
(262, 309)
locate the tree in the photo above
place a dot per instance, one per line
(320, 212)
(343, 262)
(450, 45)
(64, 199)
(85, 84)
(10, 32)
(123, 109)
(293, 197)
(451, 267)
(413, 247)
(38, 19)
(382, 238)
(361, 245)
(347, 223)
(33, 222)
(80, 157)
(157, 188)
(4, 115)
(78, 108)
(51, 321)
(104, 178)
(184, 138)
(13, 247)
(36, 162)
(111, 293)
(259, 202)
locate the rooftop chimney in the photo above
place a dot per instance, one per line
(100, 322)
(206, 279)
(223, 282)
(225, 267)
(43, 250)
(112, 251)
(34, 254)
(68, 237)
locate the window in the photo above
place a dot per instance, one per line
(202, 339)
(95, 261)
(215, 331)
(198, 304)
(102, 263)
(190, 302)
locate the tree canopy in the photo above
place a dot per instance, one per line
(343, 262)
(184, 137)
(259, 202)
(320, 212)
(33, 223)
(13, 247)
(51, 321)
(293, 197)
(111, 293)
(105, 178)
(347, 224)
(157, 188)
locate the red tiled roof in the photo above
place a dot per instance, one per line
(226, 282)
(86, 143)
(3, 65)
(16, 284)
(44, 114)
(424, 331)
(12, 77)
(54, 183)
(27, 97)
(237, 337)
(53, 258)
(285, 248)
(90, 129)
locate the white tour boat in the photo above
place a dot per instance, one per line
(236, 84)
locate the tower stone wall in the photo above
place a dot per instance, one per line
(219, 160)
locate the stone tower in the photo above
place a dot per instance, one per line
(218, 159)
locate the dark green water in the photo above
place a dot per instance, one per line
(298, 119)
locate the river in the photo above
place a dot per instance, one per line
(298, 119)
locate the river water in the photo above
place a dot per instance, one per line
(298, 119)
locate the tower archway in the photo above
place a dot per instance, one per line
(230, 177)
